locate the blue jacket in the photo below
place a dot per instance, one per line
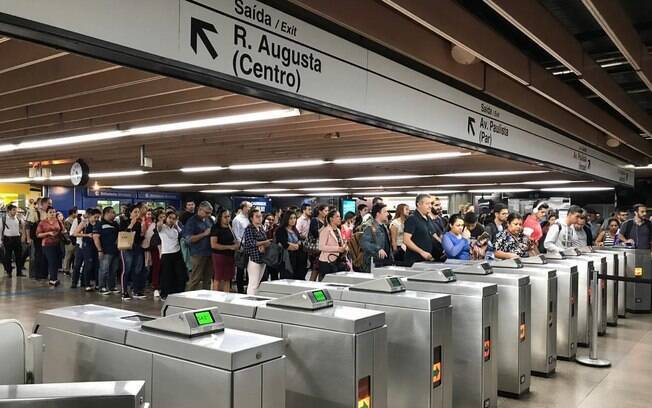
(456, 248)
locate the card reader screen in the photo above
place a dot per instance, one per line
(447, 273)
(204, 318)
(319, 295)
(396, 282)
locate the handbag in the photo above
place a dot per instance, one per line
(126, 240)
(155, 241)
(311, 245)
(273, 256)
(63, 235)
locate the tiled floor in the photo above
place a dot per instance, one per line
(628, 383)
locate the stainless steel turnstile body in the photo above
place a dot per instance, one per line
(105, 394)
(614, 292)
(230, 368)
(420, 350)
(336, 356)
(609, 266)
(585, 267)
(567, 286)
(543, 330)
(638, 295)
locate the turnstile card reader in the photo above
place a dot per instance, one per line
(227, 368)
(188, 324)
(566, 303)
(420, 357)
(513, 345)
(544, 311)
(336, 355)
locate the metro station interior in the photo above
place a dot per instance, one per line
(537, 108)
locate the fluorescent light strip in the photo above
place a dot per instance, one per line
(436, 192)
(501, 190)
(306, 180)
(145, 130)
(322, 188)
(218, 191)
(173, 185)
(15, 180)
(117, 174)
(546, 182)
(326, 194)
(492, 173)
(266, 190)
(132, 186)
(277, 165)
(377, 193)
(398, 177)
(464, 185)
(238, 183)
(577, 189)
(285, 195)
(201, 169)
(400, 158)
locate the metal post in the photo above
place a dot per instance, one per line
(592, 360)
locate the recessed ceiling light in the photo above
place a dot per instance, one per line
(306, 180)
(577, 189)
(132, 186)
(201, 169)
(492, 173)
(218, 191)
(239, 183)
(501, 190)
(126, 173)
(277, 165)
(397, 177)
(400, 158)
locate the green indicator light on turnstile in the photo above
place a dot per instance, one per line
(204, 318)
(319, 295)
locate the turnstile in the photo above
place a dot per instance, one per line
(186, 360)
(614, 292)
(544, 310)
(104, 394)
(420, 352)
(21, 355)
(512, 347)
(566, 303)
(638, 295)
(608, 267)
(336, 355)
(585, 265)
(475, 323)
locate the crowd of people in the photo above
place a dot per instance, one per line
(202, 247)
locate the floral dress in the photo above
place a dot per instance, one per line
(506, 242)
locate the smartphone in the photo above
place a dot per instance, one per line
(483, 237)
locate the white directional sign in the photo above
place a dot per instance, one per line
(247, 40)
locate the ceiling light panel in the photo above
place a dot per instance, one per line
(400, 158)
(501, 190)
(239, 183)
(492, 173)
(577, 189)
(109, 174)
(382, 178)
(218, 191)
(277, 165)
(306, 180)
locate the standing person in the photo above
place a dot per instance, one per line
(532, 225)
(69, 248)
(133, 273)
(512, 242)
(419, 232)
(173, 269)
(36, 259)
(317, 223)
(472, 228)
(49, 232)
(303, 223)
(288, 237)
(366, 219)
(608, 237)
(396, 229)
(197, 230)
(347, 226)
(224, 245)
(240, 223)
(88, 250)
(466, 208)
(331, 246)
(150, 245)
(637, 232)
(255, 244)
(499, 222)
(12, 237)
(582, 232)
(551, 219)
(562, 234)
(79, 240)
(376, 241)
(188, 211)
(105, 237)
(621, 214)
(593, 222)
(456, 245)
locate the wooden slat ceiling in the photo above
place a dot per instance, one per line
(46, 93)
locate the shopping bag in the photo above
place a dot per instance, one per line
(126, 240)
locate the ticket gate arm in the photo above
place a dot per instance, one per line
(21, 354)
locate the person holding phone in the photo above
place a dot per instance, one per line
(455, 244)
(512, 243)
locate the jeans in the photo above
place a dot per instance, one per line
(77, 265)
(133, 274)
(91, 265)
(52, 261)
(109, 266)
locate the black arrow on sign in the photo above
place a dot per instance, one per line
(198, 28)
(469, 126)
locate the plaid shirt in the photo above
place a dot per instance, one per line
(251, 237)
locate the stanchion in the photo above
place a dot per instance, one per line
(592, 359)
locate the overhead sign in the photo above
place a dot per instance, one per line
(248, 40)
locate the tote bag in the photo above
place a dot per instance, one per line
(126, 240)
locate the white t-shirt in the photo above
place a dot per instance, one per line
(73, 227)
(240, 223)
(169, 239)
(11, 227)
(399, 229)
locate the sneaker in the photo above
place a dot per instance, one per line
(115, 290)
(157, 294)
(53, 283)
(88, 289)
(126, 296)
(105, 291)
(140, 295)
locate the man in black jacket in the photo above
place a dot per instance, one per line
(499, 222)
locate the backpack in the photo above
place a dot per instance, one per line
(356, 252)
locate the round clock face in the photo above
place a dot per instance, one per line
(78, 173)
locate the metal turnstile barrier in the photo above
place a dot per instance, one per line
(614, 292)
(21, 355)
(104, 394)
(609, 267)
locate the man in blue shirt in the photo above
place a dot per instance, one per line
(197, 231)
(105, 236)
